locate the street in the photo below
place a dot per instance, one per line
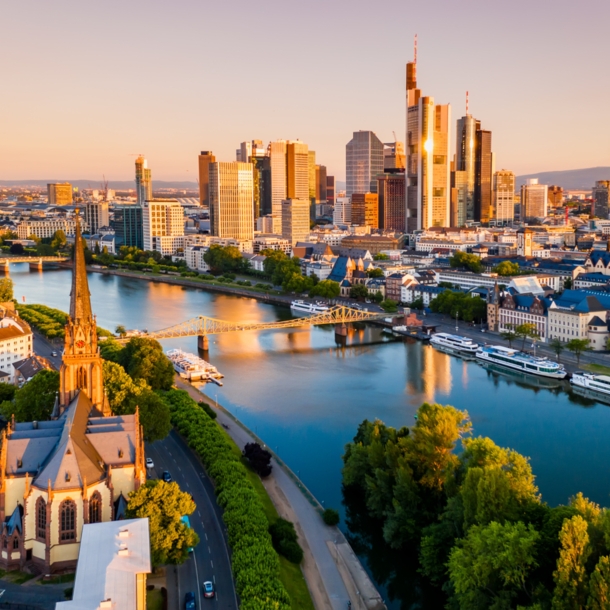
(210, 559)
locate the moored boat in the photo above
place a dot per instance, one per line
(520, 361)
(455, 343)
(191, 367)
(597, 383)
(308, 308)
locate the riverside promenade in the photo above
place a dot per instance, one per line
(333, 573)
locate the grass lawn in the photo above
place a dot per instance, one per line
(600, 369)
(154, 600)
(58, 579)
(16, 577)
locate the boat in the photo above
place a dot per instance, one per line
(455, 343)
(597, 383)
(191, 367)
(308, 308)
(520, 361)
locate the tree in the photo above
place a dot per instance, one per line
(359, 291)
(6, 290)
(154, 415)
(164, 505)
(557, 346)
(45, 250)
(17, 249)
(7, 391)
(111, 350)
(509, 334)
(378, 297)
(143, 358)
(224, 259)
(389, 305)
(59, 240)
(417, 303)
(525, 331)
(599, 586)
(120, 330)
(570, 575)
(506, 268)
(381, 257)
(568, 283)
(258, 458)
(375, 272)
(468, 261)
(327, 289)
(35, 400)
(121, 389)
(577, 347)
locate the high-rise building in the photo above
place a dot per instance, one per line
(127, 225)
(601, 199)
(59, 193)
(392, 211)
(427, 164)
(534, 200)
(96, 215)
(295, 219)
(205, 158)
(297, 170)
(483, 176)
(277, 165)
(394, 156)
(363, 162)
(232, 200)
(342, 213)
(143, 181)
(312, 178)
(330, 190)
(321, 184)
(555, 196)
(504, 196)
(162, 218)
(365, 209)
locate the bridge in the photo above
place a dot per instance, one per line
(202, 326)
(36, 262)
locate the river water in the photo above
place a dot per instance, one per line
(304, 395)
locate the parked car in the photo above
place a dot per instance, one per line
(208, 589)
(166, 476)
(189, 601)
(149, 463)
(53, 353)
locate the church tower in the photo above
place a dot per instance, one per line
(81, 368)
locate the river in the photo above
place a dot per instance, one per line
(305, 396)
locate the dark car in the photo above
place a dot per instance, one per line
(208, 589)
(167, 477)
(189, 601)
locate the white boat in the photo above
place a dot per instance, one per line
(454, 342)
(598, 383)
(191, 367)
(520, 361)
(308, 308)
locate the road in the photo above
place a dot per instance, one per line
(210, 559)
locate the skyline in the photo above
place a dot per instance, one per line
(173, 81)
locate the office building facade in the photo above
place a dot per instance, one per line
(127, 225)
(143, 181)
(321, 184)
(205, 158)
(59, 193)
(342, 213)
(504, 196)
(295, 219)
(534, 200)
(162, 218)
(277, 165)
(601, 198)
(483, 176)
(330, 190)
(96, 215)
(391, 193)
(363, 162)
(365, 209)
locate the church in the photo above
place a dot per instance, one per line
(78, 467)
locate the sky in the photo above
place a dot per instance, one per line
(86, 86)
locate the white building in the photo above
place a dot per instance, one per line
(295, 220)
(342, 214)
(47, 228)
(16, 343)
(194, 258)
(504, 196)
(534, 199)
(162, 218)
(271, 242)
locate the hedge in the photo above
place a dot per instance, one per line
(50, 322)
(255, 562)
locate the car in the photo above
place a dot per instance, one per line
(208, 589)
(189, 601)
(149, 463)
(53, 353)
(166, 476)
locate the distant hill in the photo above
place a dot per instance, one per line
(117, 185)
(570, 179)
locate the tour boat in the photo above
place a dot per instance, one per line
(520, 361)
(308, 308)
(454, 342)
(598, 383)
(191, 367)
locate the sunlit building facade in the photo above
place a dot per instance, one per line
(365, 209)
(143, 181)
(601, 199)
(205, 158)
(504, 196)
(391, 193)
(534, 199)
(295, 220)
(162, 218)
(59, 193)
(363, 162)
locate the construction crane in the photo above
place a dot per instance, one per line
(104, 188)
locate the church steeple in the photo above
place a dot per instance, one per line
(80, 297)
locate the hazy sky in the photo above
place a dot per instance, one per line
(86, 84)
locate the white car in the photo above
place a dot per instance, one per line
(149, 463)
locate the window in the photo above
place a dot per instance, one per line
(95, 508)
(67, 521)
(15, 543)
(41, 519)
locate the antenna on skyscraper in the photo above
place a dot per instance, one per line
(466, 103)
(415, 50)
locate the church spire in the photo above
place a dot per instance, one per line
(80, 297)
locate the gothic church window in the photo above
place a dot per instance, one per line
(67, 521)
(95, 508)
(41, 519)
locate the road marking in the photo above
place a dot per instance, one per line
(209, 550)
(197, 576)
(199, 513)
(180, 469)
(206, 536)
(212, 564)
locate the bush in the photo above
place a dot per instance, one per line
(285, 540)
(209, 411)
(330, 516)
(259, 459)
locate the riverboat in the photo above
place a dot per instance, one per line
(191, 367)
(455, 343)
(308, 308)
(598, 383)
(520, 361)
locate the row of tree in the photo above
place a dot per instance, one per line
(460, 305)
(479, 526)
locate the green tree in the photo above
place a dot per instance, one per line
(7, 391)
(570, 576)
(120, 330)
(111, 350)
(509, 334)
(121, 389)
(327, 289)
(567, 284)
(525, 331)
(35, 400)
(375, 272)
(577, 347)
(164, 505)
(224, 259)
(557, 346)
(359, 291)
(154, 415)
(381, 257)
(143, 358)
(389, 305)
(6, 290)
(45, 250)
(506, 268)
(466, 261)
(378, 297)
(59, 240)
(599, 586)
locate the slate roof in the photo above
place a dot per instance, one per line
(582, 302)
(32, 365)
(600, 254)
(339, 270)
(597, 321)
(15, 521)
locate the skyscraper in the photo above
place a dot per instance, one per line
(232, 200)
(555, 196)
(59, 193)
(127, 225)
(297, 170)
(321, 184)
(465, 161)
(365, 209)
(295, 219)
(601, 199)
(534, 200)
(96, 215)
(143, 181)
(342, 214)
(504, 196)
(363, 162)
(312, 179)
(162, 225)
(391, 192)
(330, 189)
(394, 156)
(277, 161)
(483, 176)
(205, 158)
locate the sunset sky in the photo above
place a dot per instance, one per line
(87, 85)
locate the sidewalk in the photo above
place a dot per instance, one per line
(333, 573)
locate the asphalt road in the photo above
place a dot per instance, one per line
(210, 559)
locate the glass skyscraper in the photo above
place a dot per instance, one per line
(363, 162)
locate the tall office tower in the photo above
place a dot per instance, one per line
(297, 170)
(393, 156)
(276, 152)
(205, 158)
(330, 189)
(59, 193)
(465, 161)
(555, 196)
(143, 181)
(96, 215)
(321, 184)
(127, 225)
(601, 199)
(161, 218)
(392, 211)
(483, 176)
(534, 200)
(427, 167)
(504, 196)
(363, 162)
(342, 214)
(365, 209)
(312, 185)
(295, 219)
(232, 200)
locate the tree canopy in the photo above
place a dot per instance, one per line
(35, 400)
(466, 261)
(224, 259)
(506, 268)
(327, 289)
(143, 358)
(6, 289)
(465, 306)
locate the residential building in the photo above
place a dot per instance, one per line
(295, 220)
(46, 228)
(394, 157)
(26, 369)
(162, 226)
(128, 226)
(363, 162)
(143, 181)
(96, 215)
(601, 199)
(394, 283)
(391, 194)
(504, 196)
(365, 209)
(330, 190)
(373, 243)
(16, 342)
(231, 200)
(598, 262)
(342, 214)
(113, 562)
(510, 310)
(205, 158)
(271, 242)
(534, 200)
(193, 255)
(413, 291)
(59, 193)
